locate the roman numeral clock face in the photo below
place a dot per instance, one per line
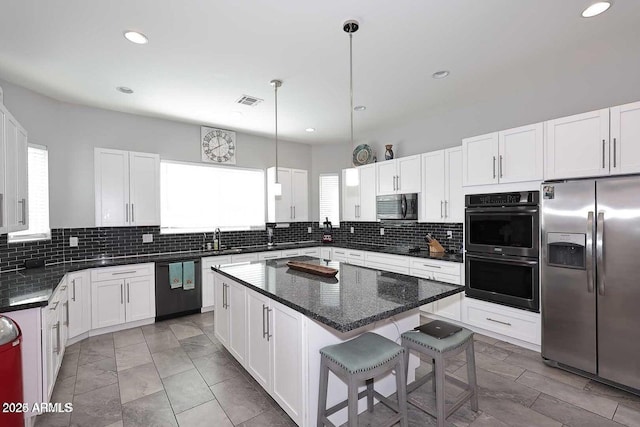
(218, 146)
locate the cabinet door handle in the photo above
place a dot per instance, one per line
(264, 322)
(123, 272)
(23, 203)
(294, 212)
(398, 181)
(441, 215)
(1, 209)
(268, 324)
(500, 166)
(73, 282)
(121, 293)
(132, 212)
(498, 321)
(445, 208)
(126, 211)
(603, 147)
(614, 152)
(55, 306)
(66, 309)
(431, 266)
(224, 291)
(394, 183)
(494, 167)
(58, 337)
(128, 292)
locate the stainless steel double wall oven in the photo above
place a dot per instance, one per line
(502, 248)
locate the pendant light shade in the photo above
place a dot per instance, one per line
(350, 27)
(276, 187)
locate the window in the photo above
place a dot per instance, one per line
(38, 204)
(330, 199)
(199, 198)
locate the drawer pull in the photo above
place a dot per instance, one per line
(431, 266)
(498, 321)
(124, 272)
(55, 306)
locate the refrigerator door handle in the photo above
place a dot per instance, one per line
(590, 288)
(600, 253)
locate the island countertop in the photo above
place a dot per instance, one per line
(356, 297)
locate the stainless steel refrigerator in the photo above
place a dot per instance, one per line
(590, 277)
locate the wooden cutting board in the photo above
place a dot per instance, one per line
(318, 270)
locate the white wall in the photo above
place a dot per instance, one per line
(72, 131)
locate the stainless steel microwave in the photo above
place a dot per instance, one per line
(397, 206)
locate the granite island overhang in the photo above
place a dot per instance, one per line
(274, 320)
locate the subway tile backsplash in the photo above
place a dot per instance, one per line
(98, 242)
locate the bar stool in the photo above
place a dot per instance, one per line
(361, 360)
(439, 350)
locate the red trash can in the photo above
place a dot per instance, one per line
(11, 397)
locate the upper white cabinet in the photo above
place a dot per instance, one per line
(359, 201)
(625, 137)
(127, 188)
(13, 169)
(399, 176)
(514, 155)
(293, 204)
(442, 195)
(578, 146)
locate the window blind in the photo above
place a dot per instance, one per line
(199, 198)
(38, 204)
(330, 199)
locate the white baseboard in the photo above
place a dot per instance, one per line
(121, 327)
(206, 309)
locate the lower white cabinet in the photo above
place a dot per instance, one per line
(120, 295)
(208, 293)
(511, 322)
(441, 271)
(230, 316)
(244, 257)
(55, 321)
(314, 252)
(274, 342)
(79, 295)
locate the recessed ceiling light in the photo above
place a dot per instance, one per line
(124, 89)
(136, 37)
(359, 108)
(596, 9)
(440, 74)
(310, 129)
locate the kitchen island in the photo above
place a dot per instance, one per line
(274, 320)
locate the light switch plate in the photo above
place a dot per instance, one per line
(382, 231)
(147, 238)
(73, 242)
(309, 230)
(449, 234)
(352, 230)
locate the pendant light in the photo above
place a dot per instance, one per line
(352, 176)
(277, 187)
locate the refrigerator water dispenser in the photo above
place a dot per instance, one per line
(566, 250)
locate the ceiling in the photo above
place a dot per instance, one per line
(203, 55)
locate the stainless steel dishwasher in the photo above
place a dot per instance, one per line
(177, 302)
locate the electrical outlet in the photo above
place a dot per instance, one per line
(382, 231)
(73, 242)
(352, 230)
(147, 238)
(309, 230)
(449, 234)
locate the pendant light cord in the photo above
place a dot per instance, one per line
(276, 104)
(351, 83)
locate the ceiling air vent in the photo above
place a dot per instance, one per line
(251, 101)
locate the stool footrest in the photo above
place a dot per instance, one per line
(335, 408)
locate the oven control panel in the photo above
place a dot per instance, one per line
(502, 199)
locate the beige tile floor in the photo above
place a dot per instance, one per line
(176, 373)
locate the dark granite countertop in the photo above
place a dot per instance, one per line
(31, 288)
(356, 297)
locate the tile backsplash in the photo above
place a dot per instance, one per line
(98, 242)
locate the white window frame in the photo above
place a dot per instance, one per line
(18, 237)
(195, 230)
(334, 224)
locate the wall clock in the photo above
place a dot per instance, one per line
(218, 145)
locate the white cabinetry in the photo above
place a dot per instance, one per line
(598, 143)
(511, 322)
(13, 184)
(230, 316)
(293, 204)
(359, 201)
(350, 256)
(79, 303)
(442, 271)
(514, 155)
(122, 294)
(398, 176)
(127, 188)
(55, 322)
(442, 195)
(258, 359)
(208, 293)
(244, 257)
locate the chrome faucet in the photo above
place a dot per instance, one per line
(217, 236)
